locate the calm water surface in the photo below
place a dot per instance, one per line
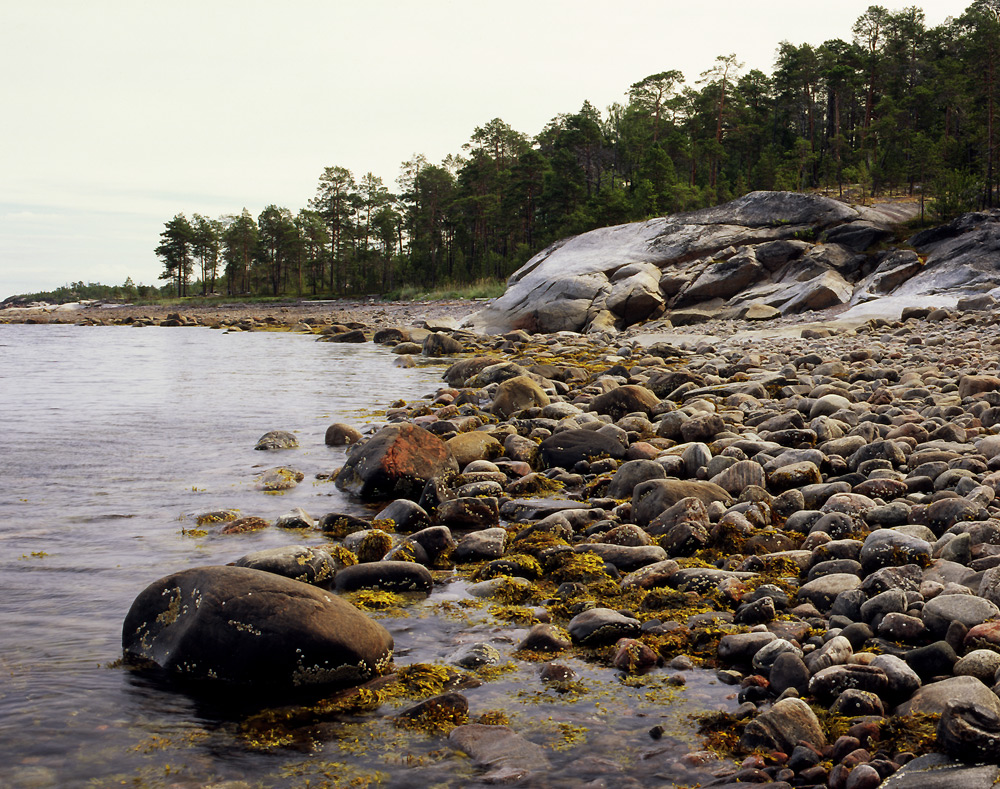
(114, 439)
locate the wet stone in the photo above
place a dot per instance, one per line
(390, 576)
(601, 626)
(277, 439)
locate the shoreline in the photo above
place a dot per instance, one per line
(819, 434)
(374, 314)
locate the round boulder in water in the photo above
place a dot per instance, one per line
(242, 626)
(277, 439)
(339, 435)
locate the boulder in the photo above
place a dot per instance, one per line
(601, 626)
(654, 496)
(302, 563)
(789, 722)
(248, 627)
(477, 445)
(934, 697)
(568, 284)
(277, 439)
(340, 435)
(441, 344)
(396, 462)
(635, 292)
(390, 576)
(970, 732)
(567, 447)
(516, 394)
(625, 557)
(944, 609)
(624, 400)
(280, 478)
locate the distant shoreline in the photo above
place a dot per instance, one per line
(372, 313)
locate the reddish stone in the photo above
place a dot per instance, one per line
(984, 636)
(396, 463)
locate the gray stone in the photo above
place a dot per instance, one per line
(601, 626)
(625, 557)
(485, 544)
(944, 609)
(302, 563)
(822, 591)
(934, 697)
(831, 682)
(892, 548)
(475, 655)
(937, 771)
(508, 755)
(834, 652)
(782, 727)
(741, 647)
(903, 680)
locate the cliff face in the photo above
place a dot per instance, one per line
(762, 255)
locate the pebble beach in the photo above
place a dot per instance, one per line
(806, 508)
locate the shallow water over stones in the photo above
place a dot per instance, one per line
(115, 440)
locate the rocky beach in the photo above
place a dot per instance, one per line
(808, 510)
(801, 501)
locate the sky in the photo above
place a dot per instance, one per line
(115, 115)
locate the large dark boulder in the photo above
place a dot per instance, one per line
(395, 463)
(242, 626)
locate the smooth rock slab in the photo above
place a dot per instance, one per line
(242, 626)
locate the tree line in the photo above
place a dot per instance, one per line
(901, 108)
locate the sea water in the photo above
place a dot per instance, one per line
(113, 441)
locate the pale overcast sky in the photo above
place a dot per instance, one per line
(119, 114)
